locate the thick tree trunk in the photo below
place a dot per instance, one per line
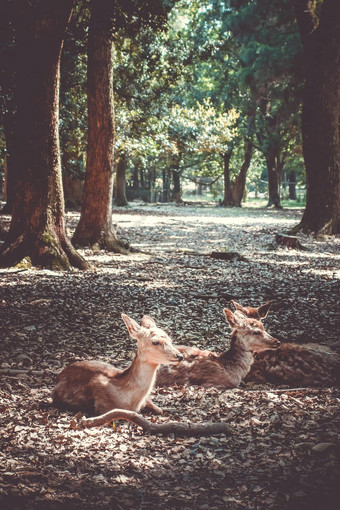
(95, 225)
(274, 179)
(239, 185)
(120, 192)
(320, 33)
(227, 200)
(37, 228)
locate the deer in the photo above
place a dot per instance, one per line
(255, 313)
(96, 387)
(293, 364)
(225, 370)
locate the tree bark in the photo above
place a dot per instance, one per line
(95, 225)
(239, 185)
(120, 185)
(227, 200)
(320, 34)
(37, 228)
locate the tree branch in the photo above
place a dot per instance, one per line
(172, 427)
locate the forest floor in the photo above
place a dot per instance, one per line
(283, 453)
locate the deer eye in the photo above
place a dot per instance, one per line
(156, 342)
(257, 332)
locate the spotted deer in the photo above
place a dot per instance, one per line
(225, 370)
(97, 387)
(293, 364)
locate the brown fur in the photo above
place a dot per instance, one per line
(296, 365)
(227, 369)
(97, 387)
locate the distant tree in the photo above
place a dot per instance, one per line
(120, 183)
(319, 23)
(37, 228)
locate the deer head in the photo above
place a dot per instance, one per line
(154, 345)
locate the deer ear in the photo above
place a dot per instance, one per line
(132, 326)
(237, 306)
(233, 320)
(264, 309)
(148, 322)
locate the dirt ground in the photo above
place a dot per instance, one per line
(283, 453)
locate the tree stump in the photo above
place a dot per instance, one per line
(289, 242)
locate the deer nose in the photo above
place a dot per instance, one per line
(179, 357)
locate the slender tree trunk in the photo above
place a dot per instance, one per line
(165, 178)
(9, 125)
(37, 228)
(120, 193)
(292, 185)
(227, 200)
(239, 185)
(95, 225)
(177, 186)
(135, 177)
(274, 179)
(320, 33)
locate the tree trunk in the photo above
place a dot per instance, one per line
(95, 225)
(227, 200)
(37, 228)
(165, 178)
(239, 185)
(320, 33)
(9, 126)
(292, 185)
(177, 186)
(120, 193)
(135, 177)
(274, 179)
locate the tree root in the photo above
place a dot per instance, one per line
(172, 427)
(45, 250)
(107, 242)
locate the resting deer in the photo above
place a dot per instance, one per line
(97, 387)
(293, 364)
(227, 369)
(255, 313)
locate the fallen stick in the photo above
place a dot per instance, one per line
(17, 371)
(172, 427)
(304, 389)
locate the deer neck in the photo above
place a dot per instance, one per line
(239, 354)
(138, 380)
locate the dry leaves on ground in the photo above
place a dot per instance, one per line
(284, 449)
